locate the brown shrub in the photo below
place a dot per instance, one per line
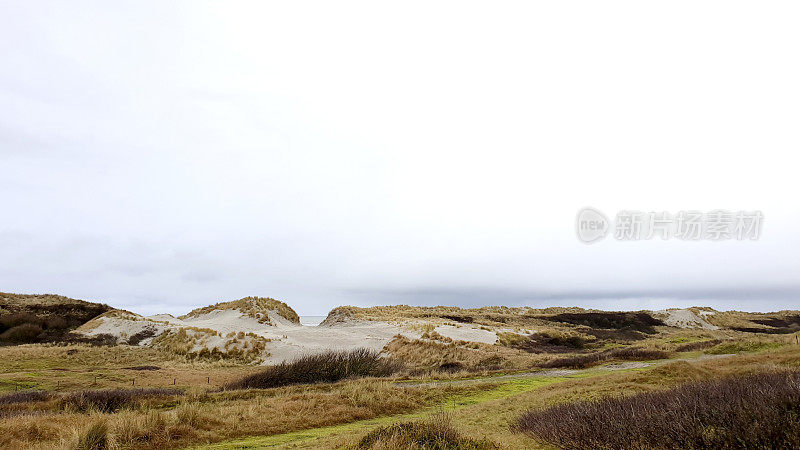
(27, 332)
(145, 333)
(321, 368)
(24, 397)
(544, 342)
(699, 345)
(583, 361)
(754, 411)
(637, 321)
(110, 400)
(576, 362)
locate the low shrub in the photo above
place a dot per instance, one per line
(637, 354)
(699, 345)
(586, 360)
(145, 333)
(24, 397)
(451, 367)
(142, 368)
(575, 362)
(43, 318)
(637, 321)
(614, 335)
(8, 321)
(434, 433)
(110, 400)
(320, 368)
(754, 411)
(27, 332)
(543, 342)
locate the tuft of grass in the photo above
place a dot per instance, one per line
(95, 437)
(753, 411)
(434, 433)
(320, 368)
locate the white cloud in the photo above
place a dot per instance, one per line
(162, 156)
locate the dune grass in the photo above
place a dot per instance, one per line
(255, 307)
(433, 433)
(206, 417)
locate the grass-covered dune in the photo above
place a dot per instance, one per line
(43, 318)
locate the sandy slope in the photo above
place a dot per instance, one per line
(217, 328)
(287, 340)
(684, 318)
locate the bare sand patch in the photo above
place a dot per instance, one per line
(683, 318)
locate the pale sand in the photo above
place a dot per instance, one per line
(683, 318)
(287, 340)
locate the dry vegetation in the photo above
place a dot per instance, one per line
(255, 307)
(754, 411)
(173, 394)
(43, 318)
(425, 355)
(81, 366)
(205, 417)
(195, 414)
(489, 315)
(325, 367)
(193, 343)
(433, 433)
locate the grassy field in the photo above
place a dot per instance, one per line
(430, 391)
(480, 407)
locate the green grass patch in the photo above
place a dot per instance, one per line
(743, 347)
(500, 390)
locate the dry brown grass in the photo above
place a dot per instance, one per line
(429, 354)
(490, 315)
(434, 433)
(75, 367)
(193, 343)
(211, 417)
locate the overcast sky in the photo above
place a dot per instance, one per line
(160, 156)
